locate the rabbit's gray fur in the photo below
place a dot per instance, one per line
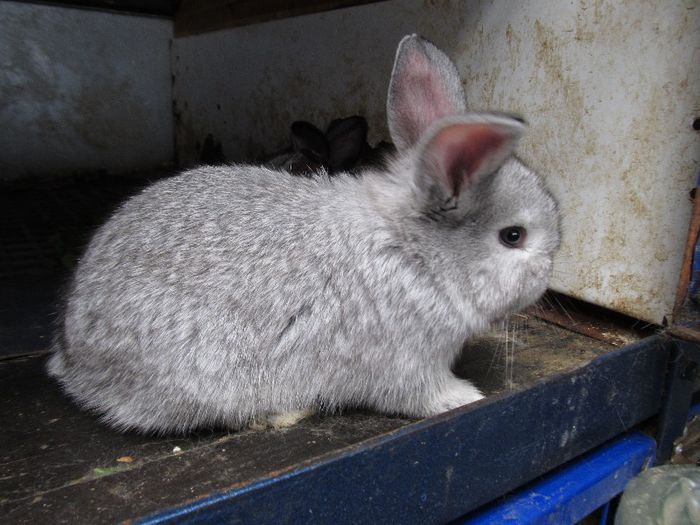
(229, 294)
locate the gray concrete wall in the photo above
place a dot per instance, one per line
(82, 91)
(610, 90)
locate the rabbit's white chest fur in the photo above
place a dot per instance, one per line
(229, 294)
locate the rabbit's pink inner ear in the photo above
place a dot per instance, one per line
(425, 87)
(425, 94)
(464, 152)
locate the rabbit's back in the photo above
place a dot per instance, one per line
(224, 294)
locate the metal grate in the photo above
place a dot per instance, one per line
(44, 227)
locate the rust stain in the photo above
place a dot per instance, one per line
(685, 333)
(580, 327)
(686, 268)
(493, 79)
(590, 320)
(510, 36)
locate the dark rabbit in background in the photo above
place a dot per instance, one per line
(308, 153)
(235, 294)
(342, 149)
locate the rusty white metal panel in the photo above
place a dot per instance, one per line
(82, 91)
(610, 90)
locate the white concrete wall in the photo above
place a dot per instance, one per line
(610, 90)
(82, 91)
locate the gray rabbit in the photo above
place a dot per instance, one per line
(234, 294)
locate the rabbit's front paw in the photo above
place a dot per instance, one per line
(456, 394)
(282, 420)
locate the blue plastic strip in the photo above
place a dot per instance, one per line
(694, 286)
(604, 514)
(694, 411)
(576, 490)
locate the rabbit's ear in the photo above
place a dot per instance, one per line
(347, 140)
(464, 150)
(425, 86)
(310, 141)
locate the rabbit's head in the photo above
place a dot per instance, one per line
(472, 210)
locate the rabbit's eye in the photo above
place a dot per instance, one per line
(513, 236)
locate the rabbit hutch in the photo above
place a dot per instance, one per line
(585, 389)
